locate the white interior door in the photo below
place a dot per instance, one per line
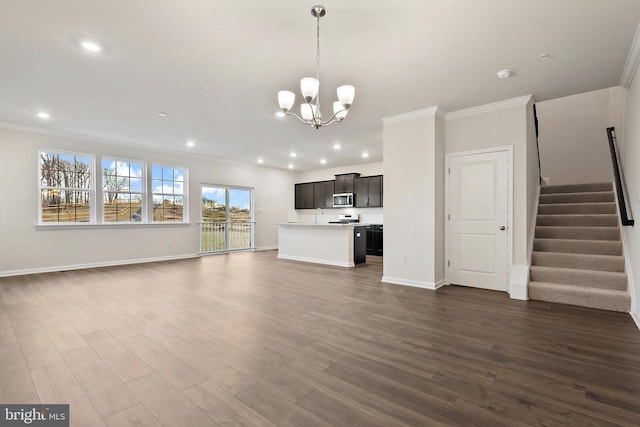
(477, 220)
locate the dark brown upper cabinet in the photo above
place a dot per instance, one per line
(368, 191)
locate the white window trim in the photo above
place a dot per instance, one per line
(145, 192)
(185, 194)
(91, 190)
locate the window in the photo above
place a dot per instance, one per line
(226, 219)
(122, 191)
(67, 193)
(169, 200)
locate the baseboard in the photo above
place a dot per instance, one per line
(519, 282)
(635, 317)
(266, 248)
(316, 261)
(413, 283)
(56, 268)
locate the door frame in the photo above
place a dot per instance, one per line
(227, 187)
(509, 150)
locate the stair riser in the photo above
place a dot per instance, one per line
(613, 301)
(577, 208)
(576, 198)
(584, 233)
(576, 188)
(586, 278)
(599, 247)
(580, 261)
(579, 220)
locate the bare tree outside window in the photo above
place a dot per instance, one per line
(65, 187)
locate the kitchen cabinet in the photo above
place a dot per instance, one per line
(304, 195)
(346, 182)
(368, 191)
(374, 239)
(323, 194)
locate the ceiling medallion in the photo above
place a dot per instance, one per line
(309, 86)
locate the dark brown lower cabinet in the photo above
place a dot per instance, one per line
(374, 239)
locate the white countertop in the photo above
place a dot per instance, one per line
(310, 224)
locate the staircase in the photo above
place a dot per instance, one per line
(577, 256)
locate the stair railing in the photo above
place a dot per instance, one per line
(625, 213)
(535, 122)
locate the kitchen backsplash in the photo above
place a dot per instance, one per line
(323, 216)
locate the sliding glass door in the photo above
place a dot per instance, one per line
(227, 219)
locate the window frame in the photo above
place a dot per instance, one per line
(91, 189)
(143, 193)
(184, 195)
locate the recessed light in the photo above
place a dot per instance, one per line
(91, 46)
(280, 114)
(191, 144)
(204, 87)
(323, 161)
(543, 56)
(162, 114)
(292, 154)
(290, 166)
(337, 146)
(260, 160)
(44, 115)
(365, 154)
(503, 74)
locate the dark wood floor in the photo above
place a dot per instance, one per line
(246, 339)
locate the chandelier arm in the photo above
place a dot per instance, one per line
(333, 118)
(306, 122)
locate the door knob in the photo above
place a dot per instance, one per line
(502, 228)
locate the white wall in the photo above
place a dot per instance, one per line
(26, 248)
(508, 123)
(630, 147)
(413, 208)
(329, 173)
(574, 127)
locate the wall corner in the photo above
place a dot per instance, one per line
(518, 282)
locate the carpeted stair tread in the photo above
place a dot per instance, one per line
(591, 197)
(582, 233)
(579, 246)
(588, 220)
(604, 299)
(586, 278)
(577, 256)
(576, 188)
(577, 208)
(579, 261)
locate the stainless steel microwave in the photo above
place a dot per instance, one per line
(343, 200)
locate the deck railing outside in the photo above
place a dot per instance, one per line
(225, 236)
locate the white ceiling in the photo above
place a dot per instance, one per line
(401, 56)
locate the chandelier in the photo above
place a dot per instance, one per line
(310, 109)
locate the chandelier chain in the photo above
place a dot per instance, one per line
(318, 59)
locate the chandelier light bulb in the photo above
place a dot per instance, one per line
(346, 94)
(309, 88)
(286, 99)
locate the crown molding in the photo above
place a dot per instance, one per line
(417, 114)
(127, 144)
(633, 61)
(495, 106)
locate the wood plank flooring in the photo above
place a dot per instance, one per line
(247, 339)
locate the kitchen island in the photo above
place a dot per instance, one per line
(331, 244)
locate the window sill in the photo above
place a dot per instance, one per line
(63, 226)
